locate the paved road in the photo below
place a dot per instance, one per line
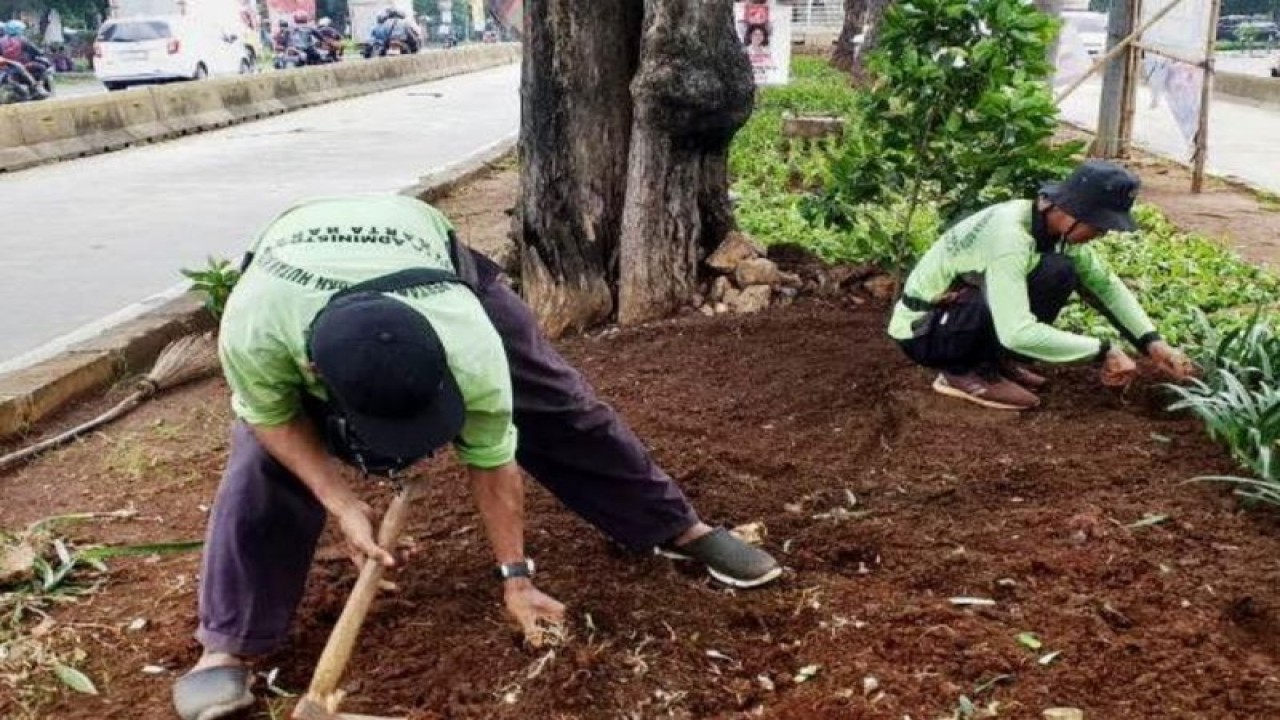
(1243, 141)
(1255, 63)
(141, 214)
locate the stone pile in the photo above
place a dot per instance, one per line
(745, 279)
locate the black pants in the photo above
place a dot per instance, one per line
(961, 337)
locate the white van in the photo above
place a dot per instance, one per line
(133, 50)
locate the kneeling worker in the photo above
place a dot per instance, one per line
(984, 297)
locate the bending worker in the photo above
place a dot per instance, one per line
(983, 299)
(363, 330)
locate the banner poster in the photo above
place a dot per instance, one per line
(764, 28)
(278, 10)
(1177, 86)
(1073, 61)
(1183, 32)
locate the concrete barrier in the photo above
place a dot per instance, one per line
(14, 152)
(32, 133)
(75, 127)
(1252, 88)
(192, 107)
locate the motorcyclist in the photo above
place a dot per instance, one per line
(27, 64)
(377, 42)
(306, 38)
(395, 28)
(330, 36)
(280, 40)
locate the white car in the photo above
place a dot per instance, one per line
(1091, 28)
(131, 51)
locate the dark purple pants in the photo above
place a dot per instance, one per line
(265, 523)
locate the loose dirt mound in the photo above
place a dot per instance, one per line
(884, 499)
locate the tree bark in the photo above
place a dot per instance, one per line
(860, 17)
(580, 56)
(846, 50)
(692, 93)
(628, 111)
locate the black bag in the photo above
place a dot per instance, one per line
(959, 334)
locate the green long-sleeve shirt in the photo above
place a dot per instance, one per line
(996, 249)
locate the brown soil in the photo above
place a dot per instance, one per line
(883, 499)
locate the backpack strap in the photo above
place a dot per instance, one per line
(401, 280)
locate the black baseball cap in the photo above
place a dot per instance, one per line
(1099, 193)
(386, 370)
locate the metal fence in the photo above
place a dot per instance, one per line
(824, 15)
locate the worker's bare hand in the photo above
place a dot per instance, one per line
(540, 616)
(1170, 361)
(356, 522)
(1118, 369)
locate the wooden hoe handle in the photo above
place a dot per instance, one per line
(322, 697)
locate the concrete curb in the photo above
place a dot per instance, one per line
(441, 182)
(31, 394)
(1252, 89)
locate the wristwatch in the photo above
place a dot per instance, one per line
(522, 569)
(1105, 348)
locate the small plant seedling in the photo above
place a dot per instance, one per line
(1148, 520)
(1029, 641)
(216, 280)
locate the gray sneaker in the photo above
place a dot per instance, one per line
(213, 693)
(728, 559)
(997, 393)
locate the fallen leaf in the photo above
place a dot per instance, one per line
(1048, 658)
(869, 685)
(74, 679)
(972, 601)
(1148, 520)
(751, 533)
(807, 673)
(17, 562)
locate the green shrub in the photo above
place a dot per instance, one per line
(960, 116)
(1178, 277)
(1238, 399)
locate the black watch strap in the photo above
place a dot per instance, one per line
(1144, 342)
(508, 571)
(1102, 351)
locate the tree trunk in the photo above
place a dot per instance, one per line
(580, 56)
(846, 50)
(692, 93)
(860, 17)
(628, 111)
